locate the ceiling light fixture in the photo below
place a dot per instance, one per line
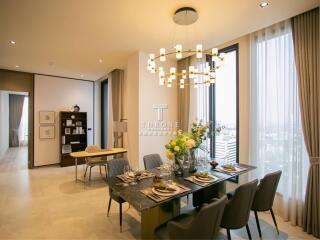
(100, 60)
(263, 4)
(186, 16)
(17, 66)
(12, 42)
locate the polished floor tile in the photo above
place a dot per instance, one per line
(46, 203)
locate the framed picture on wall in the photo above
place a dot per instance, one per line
(46, 117)
(46, 132)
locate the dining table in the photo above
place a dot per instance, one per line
(155, 212)
(100, 153)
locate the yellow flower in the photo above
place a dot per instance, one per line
(173, 143)
(169, 155)
(176, 148)
(190, 143)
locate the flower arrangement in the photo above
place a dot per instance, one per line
(199, 133)
(177, 147)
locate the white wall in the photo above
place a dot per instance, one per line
(150, 92)
(4, 122)
(58, 94)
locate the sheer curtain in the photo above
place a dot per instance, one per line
(276, 133)
(23, 128)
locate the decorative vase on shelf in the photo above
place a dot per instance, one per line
(192, 160)
(178, 168)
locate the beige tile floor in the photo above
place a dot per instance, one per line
(46, 203)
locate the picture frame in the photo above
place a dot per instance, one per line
(67, 131)
(46, 132)
(68, 122)
(46, 117)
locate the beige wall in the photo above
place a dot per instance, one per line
(58, 94)
(131, 108)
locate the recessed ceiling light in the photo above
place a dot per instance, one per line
(17, 66)
(263, 4)
(100, 60)
(13, 42)
(82, 75)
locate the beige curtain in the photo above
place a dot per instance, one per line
(117, 77)
(305, 28)
(183, 97)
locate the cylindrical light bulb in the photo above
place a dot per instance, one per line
(162, 54)
(152, 56)
(214, 51)
(199, 51)
(173, 73)
(178, 51)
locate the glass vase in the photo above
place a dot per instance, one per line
(192, 160)
(178, 168)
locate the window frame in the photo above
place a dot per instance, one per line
(212, 113)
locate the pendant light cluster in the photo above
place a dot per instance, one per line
(169, 77)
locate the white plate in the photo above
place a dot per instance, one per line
(205, 180)
(166, 193)
(230, 171)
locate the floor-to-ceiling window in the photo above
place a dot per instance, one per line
(104, 113)
(223, 108)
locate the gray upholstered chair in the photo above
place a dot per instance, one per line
(237, 210)
(94, 161)
(204, 224)
(263, 199)
(152, 161)
(115, 167)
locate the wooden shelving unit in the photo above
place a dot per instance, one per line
(73, 136)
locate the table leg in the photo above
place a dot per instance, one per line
(76, 168)
(154, 217)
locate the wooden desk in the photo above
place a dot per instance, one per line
(103, 152)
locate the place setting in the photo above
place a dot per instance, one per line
(162, 189)
(228, 168)
(203, 178)
(131, 177)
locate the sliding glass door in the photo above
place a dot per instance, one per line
(223, 108)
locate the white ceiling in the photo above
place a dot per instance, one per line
(68, 37)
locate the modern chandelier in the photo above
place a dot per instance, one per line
(206, 75)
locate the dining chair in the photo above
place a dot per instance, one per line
(264, 197)
(94, 161)
(237, 211)
(203, 224)
(115, 167)
(152, 161)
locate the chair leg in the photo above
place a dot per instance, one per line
(258, 224)
(105, 169)
(274, 220)
(100, 169)
(90, 174)
(248, 231)
(85, 173)
(228, 234)
(109, 205)
(120, 211)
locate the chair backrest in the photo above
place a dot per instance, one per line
(116, 166)
(152, 161)
(205, 224)
(237, 211)
(263, 199)
(92, 148)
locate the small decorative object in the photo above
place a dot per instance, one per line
(78, 123)
(67, 131)
(176, 150)
(76, 108)
(46, 117)
(69, 123)
(66, 149)
(73, 116)
(46, 132)
(214, 163)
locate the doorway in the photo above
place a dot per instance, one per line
(14, 125)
